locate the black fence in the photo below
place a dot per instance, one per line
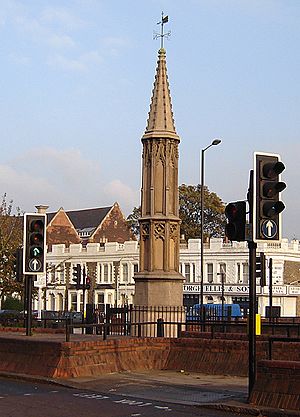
(149, 321)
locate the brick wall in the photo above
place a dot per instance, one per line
(277, 385)
(114, 228)
(60, 359)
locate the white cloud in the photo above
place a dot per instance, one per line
(82, 63)
(61, 62)
(61, 41)
(61, 178)
(123, 193)
(61, 16)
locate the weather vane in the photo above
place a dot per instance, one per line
(162, 35)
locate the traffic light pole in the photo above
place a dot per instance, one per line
(28, 304)
(252, 310)
(83, 295)
(252, 293)
(270, 288)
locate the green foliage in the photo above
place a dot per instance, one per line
(133, 221)
(190, 213)
(12, 303)
(11, 235)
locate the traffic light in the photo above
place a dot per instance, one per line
(261, 268)
(267, 204)
(77, 275)
(34, 255)
(18, 265)
(88, 283)
(236, 216)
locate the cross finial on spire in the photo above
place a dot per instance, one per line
(164, 19)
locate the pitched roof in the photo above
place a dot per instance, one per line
(160, 121)
(86, 218)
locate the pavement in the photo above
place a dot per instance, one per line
(221, 392)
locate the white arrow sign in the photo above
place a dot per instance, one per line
(269, 229)
(35, 265)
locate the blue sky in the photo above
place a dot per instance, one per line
(76, 82)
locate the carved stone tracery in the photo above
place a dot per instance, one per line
(159, 230)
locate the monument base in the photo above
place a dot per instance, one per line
(158, 304)
(165, 289)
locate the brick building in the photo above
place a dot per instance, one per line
(95, 225)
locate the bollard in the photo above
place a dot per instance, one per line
(160, 327)
(178, 330)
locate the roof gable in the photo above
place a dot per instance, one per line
(88, 218)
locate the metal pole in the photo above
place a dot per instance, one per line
(83, 296)
(201, 230)
(213, 143)
(270, 287)
(28, 304)
(222, 276)
(252, 293)
(252, 311)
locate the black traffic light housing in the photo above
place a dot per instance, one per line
(236, 216)
(77, 275)
(34, 256)
(267, 204)
(261, 268)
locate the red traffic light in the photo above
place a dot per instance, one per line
(236, 215)
(231, 211)
(272, 169)
(36, 226)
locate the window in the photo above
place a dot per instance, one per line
(51, 276)
(125, 272)
(100, 298)
(245, 273)
(222, 272)
(60, 301)
(105, 272)
(109, 298)
(52, 302)
(61, 274)
(210, 273)
(135, 268)
(99, 277)
(187, 272)
(74, 301)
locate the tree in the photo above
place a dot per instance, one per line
(11, 235)
(133, 221)
(190, 213)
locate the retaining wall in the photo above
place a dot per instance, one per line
(86, 358)
(277, 385)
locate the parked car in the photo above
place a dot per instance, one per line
(214, 311)
(75, 316)
(8, 317)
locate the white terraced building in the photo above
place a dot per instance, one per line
(110, 268)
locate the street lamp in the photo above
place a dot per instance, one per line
(214, 142)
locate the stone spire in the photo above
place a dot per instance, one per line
(160, 120)
(158, 282)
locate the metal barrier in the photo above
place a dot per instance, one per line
(106, 329)
(280, 339)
